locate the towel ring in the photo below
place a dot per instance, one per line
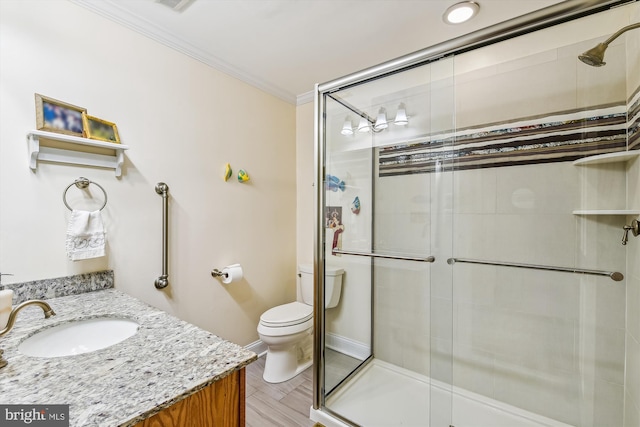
(82, 183)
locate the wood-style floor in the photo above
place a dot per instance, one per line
(285, 404)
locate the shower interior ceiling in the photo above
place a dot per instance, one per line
(285, 47)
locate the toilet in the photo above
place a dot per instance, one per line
(287, 329)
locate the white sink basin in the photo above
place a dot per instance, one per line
(82, 336)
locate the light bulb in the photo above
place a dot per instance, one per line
(364, 125)
(401, 116)
(381, 121)
(347, 128)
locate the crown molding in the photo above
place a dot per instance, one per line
(305, 98)
(115, 13)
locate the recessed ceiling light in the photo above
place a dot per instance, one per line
(461, 12)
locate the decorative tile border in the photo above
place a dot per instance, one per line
(61, 286)
(634, 121)
(557, 137)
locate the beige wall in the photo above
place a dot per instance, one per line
(183, 121)
(305, 178)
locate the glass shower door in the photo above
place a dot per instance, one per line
(388, 218)
(347, 216)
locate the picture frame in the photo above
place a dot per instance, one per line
(58, 116)
(99, 129)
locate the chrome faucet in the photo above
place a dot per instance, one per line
(48, 312)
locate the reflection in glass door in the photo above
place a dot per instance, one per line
(385, 225)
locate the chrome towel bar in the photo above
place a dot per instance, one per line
(163, 190)
(375, 255)
(616, 276)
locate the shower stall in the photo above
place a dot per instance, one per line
(476, 195)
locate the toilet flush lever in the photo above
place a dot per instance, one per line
(634, 228)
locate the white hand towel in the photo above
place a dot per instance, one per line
(85, 235)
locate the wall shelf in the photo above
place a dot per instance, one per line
(620, 156)
(61, 148)
(607, 212)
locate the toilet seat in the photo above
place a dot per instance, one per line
(291, 314)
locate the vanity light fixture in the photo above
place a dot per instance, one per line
(364, 125)
(347, 127)
(460, 12)
(381, 121)
(401, 116)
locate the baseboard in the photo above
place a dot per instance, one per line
(347, 346)
(339, 343)
(258, 347)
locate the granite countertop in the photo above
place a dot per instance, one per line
(166, 361)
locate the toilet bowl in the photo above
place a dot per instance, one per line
(287, 329)
(284, 329)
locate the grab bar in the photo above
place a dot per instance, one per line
(163, 190)
(616, 276)
(373, 255)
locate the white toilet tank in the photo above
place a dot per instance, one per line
(332, 285)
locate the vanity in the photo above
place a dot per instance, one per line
(168, 373)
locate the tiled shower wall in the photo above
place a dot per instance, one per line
(632, 389)
(529, 338)
(548, 342)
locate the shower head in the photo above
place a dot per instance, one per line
(595, 56)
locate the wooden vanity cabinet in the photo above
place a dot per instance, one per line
(221, 404)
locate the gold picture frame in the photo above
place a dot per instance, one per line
(99, 129)
(58, 116)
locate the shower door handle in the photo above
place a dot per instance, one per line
(376, 255)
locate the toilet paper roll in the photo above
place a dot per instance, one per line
(232, 273)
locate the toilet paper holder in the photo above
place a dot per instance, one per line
(229, 274)
(217, 273)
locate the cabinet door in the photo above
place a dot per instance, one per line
(221, 404)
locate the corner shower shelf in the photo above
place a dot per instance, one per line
(620, 156)
(74, 150)
(617, 157)
(607, 212)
